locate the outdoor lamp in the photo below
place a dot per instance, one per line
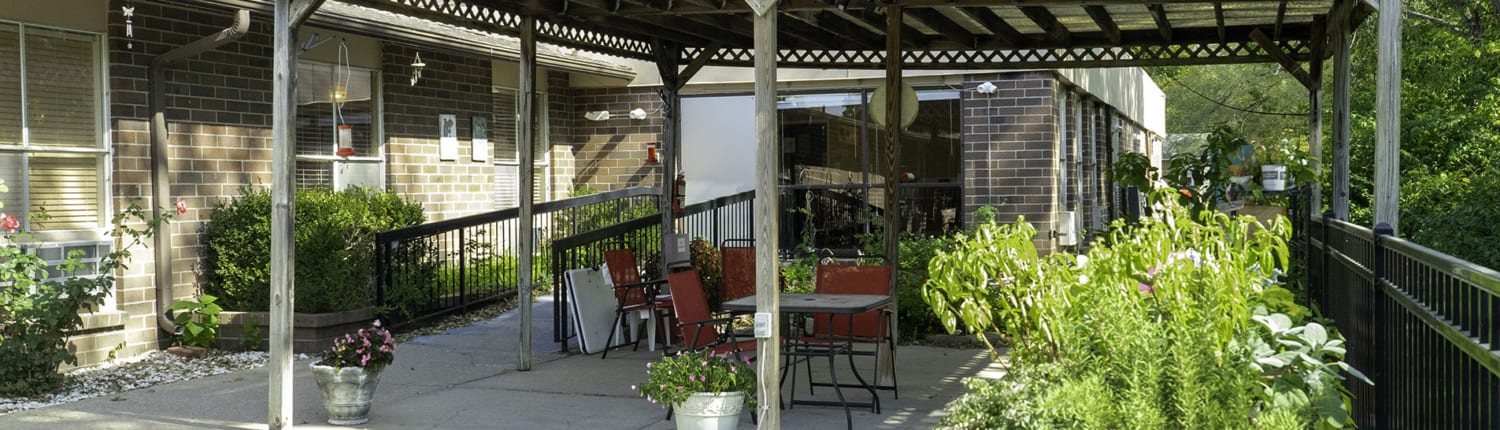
(598, 115)
(637, 113)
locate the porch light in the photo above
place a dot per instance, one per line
(598, 115)
(986, 88)
(637, 113)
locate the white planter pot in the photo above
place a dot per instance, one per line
(709, 411)
(347, 393)
(1273, 177)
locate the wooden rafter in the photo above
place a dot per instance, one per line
(949, 29)
(1219, 19)
(697, 64)
(834, 28)
(1281, 57)
(1280, 18)
(1107, 24)
(1317, 44)
(1048, 23)
(1163, 25)
(811, 34)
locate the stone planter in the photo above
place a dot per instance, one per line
(347, 393)
(709, 411)
(311, 333)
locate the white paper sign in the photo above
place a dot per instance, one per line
(480, 147)
(447, 137)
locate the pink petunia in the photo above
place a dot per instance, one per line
(181, 206)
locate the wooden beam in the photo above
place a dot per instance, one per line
(1107, 24)
(858, 21)
(1163, 25)
(1005, 33)
(1281, 57)
(1317, 47)
(1339, 175)
(1315, 112)
(767, 173)
(1219, 20)
(697, 64)
(949, 29)
(1280, 18)
(658, 26)
(893, 130)
(1048, 23)
(813, 35)
(526, 134)
(667, 62)
(1388, 116)
(832, 26)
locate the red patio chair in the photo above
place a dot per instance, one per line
(737, 263)
(873, 327)
(631, 294)
(700, 331)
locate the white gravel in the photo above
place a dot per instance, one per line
(142, 371)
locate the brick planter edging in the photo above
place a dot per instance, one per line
(311, 333)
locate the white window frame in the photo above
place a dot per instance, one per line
(103, 149)
(377, 122)
(544, 134)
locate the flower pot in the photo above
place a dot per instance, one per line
(709, 411)
(347, 393)
(1273, 177)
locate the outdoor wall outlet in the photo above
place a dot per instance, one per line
(762, 325)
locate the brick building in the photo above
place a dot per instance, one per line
(75, 130)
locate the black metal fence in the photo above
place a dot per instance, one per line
(434, 268)
(1421, 324)
(714, 220)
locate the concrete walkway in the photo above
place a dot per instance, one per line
(466, 379)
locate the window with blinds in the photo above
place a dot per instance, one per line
(504, 134)
(52, 150)
(328, 96)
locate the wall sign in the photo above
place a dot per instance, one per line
(480, 147)
(447, 137)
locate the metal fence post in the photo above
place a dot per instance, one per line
(463, 265)
(1379, 331)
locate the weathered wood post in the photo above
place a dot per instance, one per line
(767, 161)
(1388, 116)
(527, 141)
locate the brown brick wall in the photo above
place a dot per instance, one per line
(450, 84)
(1009, 145)
(611, 154)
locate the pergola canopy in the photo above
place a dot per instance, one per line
(936, 34)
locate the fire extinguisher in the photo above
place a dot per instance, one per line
(679, 192)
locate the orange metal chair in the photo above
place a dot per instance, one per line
(874, 327)
(738, 268)
(631, 294)
(700, 331)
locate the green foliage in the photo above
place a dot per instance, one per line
(1205, 97)
(39, 313)
(984, 215)
(709, 264)
(1454, 212)
(334, 233)
(197, 321)
(250, 336)
(1203, 178)
(1302, 368)
(676, 377)
(1134, 169)
(1151, 329)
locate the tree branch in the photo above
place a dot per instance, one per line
(1440, 22)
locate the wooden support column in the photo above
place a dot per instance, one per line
(287, 16)
(767, 166)
(526, 139)
(893, 130)
(1339, 170)
(666, 54)
(1315, 113)
(1388, 116)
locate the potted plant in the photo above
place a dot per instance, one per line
(705, 391)
(349, 372)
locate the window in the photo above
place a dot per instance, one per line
(53, 155)
(504, 135)
(329, 96)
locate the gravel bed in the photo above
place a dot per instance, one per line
(158, 367)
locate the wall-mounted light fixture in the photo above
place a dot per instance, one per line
(986, 88)
(598, 115)
(637, 113)
(416, 69)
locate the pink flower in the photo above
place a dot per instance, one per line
(9, 223)
(377, 323)
(181, 206)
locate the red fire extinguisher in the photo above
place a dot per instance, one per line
(679, 192)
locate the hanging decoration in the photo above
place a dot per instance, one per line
(340, 93)
(129, 11)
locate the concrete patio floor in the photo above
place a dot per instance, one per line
(466, 379)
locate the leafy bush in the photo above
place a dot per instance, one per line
(1153, 328)
(38, 313)
(709, 263)
(334, 233)
(197, 321)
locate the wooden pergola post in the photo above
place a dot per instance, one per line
(767, 166)
(1339, 195)
(671, 137)
(288, 15)
(891, 221)
(1388, 116)
(1315, 113)
(527, 142)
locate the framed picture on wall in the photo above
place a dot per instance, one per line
(447, 137)
(480, 146)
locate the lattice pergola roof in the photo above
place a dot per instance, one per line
(937, 34)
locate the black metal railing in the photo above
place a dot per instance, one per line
(434, 268)
(1421, 324)
(714, 220)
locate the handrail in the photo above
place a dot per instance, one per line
(1479, 276)
(511, 213)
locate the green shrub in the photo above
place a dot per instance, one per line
(334, 233)
(1155, 327)
(197, 321)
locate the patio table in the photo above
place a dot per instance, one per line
(847, 305)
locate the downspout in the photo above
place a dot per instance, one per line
(161, 182)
